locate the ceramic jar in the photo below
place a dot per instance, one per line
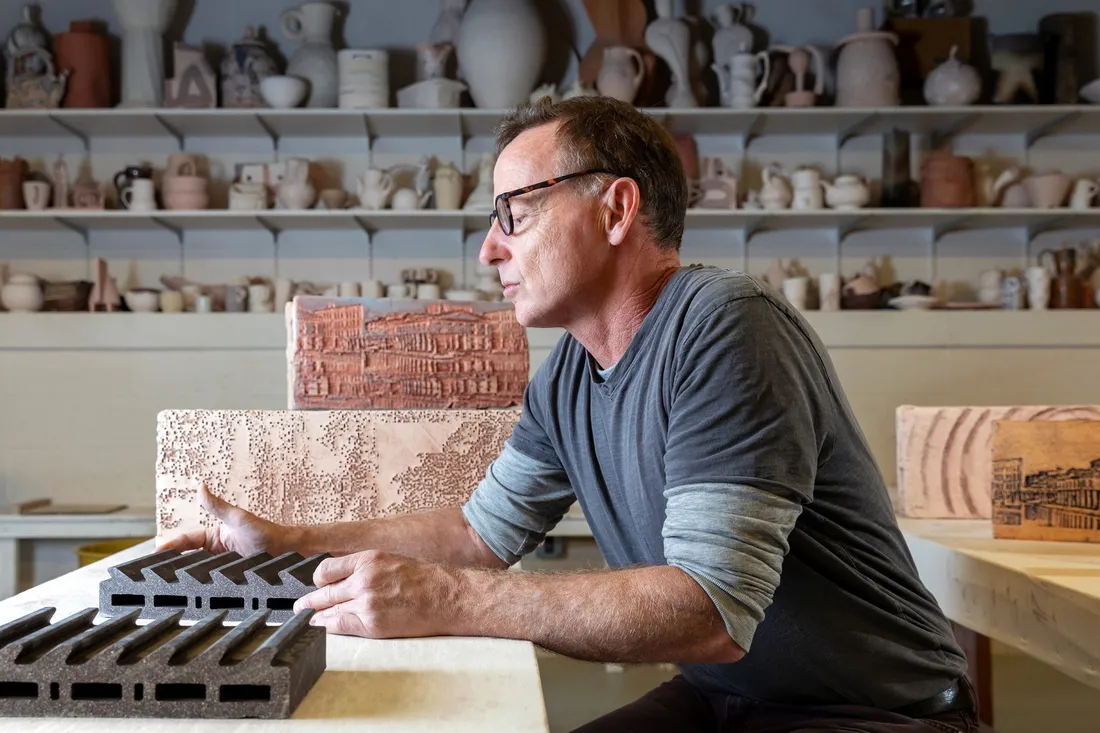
(847, 192)
(867, 73)
(1067, 289)
(775, 194)
(363, 78)
(244, 69)
(296, 191)
(12, 173)
(22, 294)
(501, 51)
(447, 186)
(84, 52)
(143, 25)
(315, 60)
(947, 182)
(808, 191)
(182, 187)
(621, 73)
(953, 83)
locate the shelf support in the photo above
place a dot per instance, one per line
(940, 135)
(171, 130)
(1047, 127)
(946, 227)
(846, 133)
(177, 232)
(274, 231)
(72, 131)
(844, 228)
(1047, 224)
(751, 132)
(270, 132)
(82, 232)
(369, 232)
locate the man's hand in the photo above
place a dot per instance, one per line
(236, 531)
(381, 595)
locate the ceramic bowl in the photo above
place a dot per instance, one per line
(914, 302)
(142, 301)
(184, 183)
(1091, 92)
(186, 200)
(284, 92)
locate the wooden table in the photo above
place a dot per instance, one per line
(1040, 597)
(438, 685)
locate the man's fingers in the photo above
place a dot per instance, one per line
(334, 569)
(219, 507)
(324, 598)
(194, 540)
(336, 621)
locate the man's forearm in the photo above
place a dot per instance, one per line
(656, 614)
(441, 536)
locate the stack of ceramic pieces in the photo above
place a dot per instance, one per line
(183, 187)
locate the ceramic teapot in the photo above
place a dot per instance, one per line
(744, 79)
(374, 188)
(22, 294)
(296, 191)
(847, 192)
(953, 83)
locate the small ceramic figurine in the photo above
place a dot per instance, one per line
(546, 90)
(953, 83)
(717, 185)
(670, 39)
(731, 35)
(195, 85)
(60, 183)
(482, 196)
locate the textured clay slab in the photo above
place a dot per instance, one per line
(944, 455)
(360, 353)
(161, 670)
(309, 467)
(1046, 480)
(202, 584)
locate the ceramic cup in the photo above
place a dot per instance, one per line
(373, 289)
(990, 286)
(348, 290)
(36, 195)
(427, 291)
(191, 295)
(399, 291)
(363, 78)
(171, 301)
(259, 298)
(334, 199)
(796, 289)
(1038, 288)
(828, 288)
(140, 195)
(1012, 294)
(204, 304)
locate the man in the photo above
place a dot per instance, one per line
(699, 422)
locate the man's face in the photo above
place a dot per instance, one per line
(550, 265)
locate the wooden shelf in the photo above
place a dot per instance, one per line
(1028, 121)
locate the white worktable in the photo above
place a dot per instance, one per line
(439, 685)
(1041, 597)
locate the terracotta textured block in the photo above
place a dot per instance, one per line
(943, 455)
(359, 353)
(118, 669)
(202, 584)
(1046, 480)
(308, 467)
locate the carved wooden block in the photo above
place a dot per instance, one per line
(943, 455)
(1046, 480)
(361, 353)
(308, 467)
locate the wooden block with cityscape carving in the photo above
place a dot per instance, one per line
(362, 353)
(943, 455)
(1046, 480)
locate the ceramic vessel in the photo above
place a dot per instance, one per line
(22, 294)
(1084, 191)
(375, 188)
(744, 79)
(333, 199)
(495, 30)
(1049, 190)
(12, 173)
(407, 199)
(447, 185)
(431, 60)
(296, 191)
(809, 194)
(947, 181)
(802, 59)
(83, 51)
(31, 79)
(124, 180)
(847, 192)
(143, 300)
(143, 25)
(247, 196)
(670, 40)
(828, 288)
(36, 195)
(1038, 288)
(364, 78)
(717, 186)
(283, 92)
(621, 73)
(953, 83)
(796, 290)
(867, 73)
(244, 69)
(731, 35)
(310, 24)
(775, 194)
(431, 94)
(1067, 289)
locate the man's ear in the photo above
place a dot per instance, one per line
(621, 203)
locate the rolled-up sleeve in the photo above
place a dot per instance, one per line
(744, 440)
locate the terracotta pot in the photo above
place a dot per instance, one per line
(12, 173)
(186, 200)
(947, 182)
(84, 52)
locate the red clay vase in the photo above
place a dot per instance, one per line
(83, 51)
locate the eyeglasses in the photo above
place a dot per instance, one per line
(503, 210)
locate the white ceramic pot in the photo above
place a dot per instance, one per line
(314, 60)
(953, 83)
(143, 25)
(284, 92)
(22, 294)
(501, 50)
(142, 301)
(867, 73)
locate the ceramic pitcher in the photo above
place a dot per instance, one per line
(742, 82)
(296, 192)
(374, 188)
(621, 73)
(315, 60)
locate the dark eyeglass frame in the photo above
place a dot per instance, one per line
(502, 210)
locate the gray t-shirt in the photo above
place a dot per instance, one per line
(722, 444)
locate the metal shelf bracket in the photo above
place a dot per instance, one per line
(845, 228)
(171, 131)
(72, 131)
(939, 136)
(270, 132)
(1047, 127)
(73, 227)
(846, 133)
(752, 131)
(368, 231)
(1047, 224)
(175, 230)
(275, 232)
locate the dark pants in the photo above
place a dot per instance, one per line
(679, 706)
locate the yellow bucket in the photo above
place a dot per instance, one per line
(88, 554)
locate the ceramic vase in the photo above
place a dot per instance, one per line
(244, 69)
(493, 31)
(670, 40)
(621, 73)
(143, 25)
(12, 173)
(867, 73)
(315, 60)
(84, 52)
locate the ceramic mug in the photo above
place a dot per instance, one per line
(828, 288)
(427, 291)
(259, 298)
(171, 301)
(36, 195)
(399, 291)
(1038, 288)
(373, 289)
(348, 290)
(139, 195)
(204, 304)
(795, 289)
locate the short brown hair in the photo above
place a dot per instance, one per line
(604, 133)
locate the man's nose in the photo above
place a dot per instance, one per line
(493, 249)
